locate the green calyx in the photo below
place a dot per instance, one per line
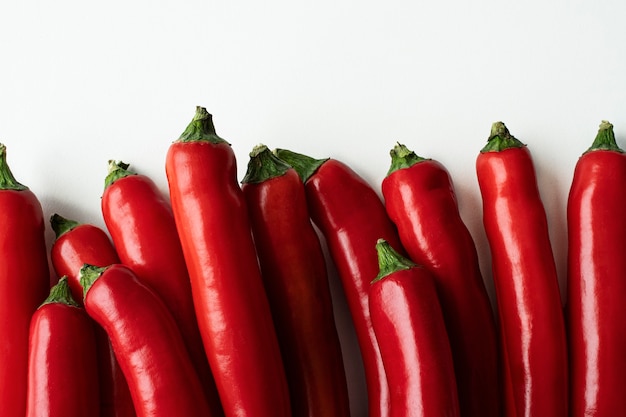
(60, 293)
(201, 129)
(304, 165)
(264, 165)
(88, 275)
(390, 261)
(605, 139)
(402, 157)
(501, 139)
(61, 225)
(7, 180)
(117, 170)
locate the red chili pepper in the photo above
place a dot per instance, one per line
(78, 244)
(409, 325)
(351, 216)
(146, 342)
(295, 277)
(141, 223)
(525, 278)
(420, 200)
(62, 369)
(24, 284)
(231, 305)
(596, 285)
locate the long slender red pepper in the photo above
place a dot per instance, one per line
(141, 223)
(596, 284)
(524, 273)
(420, 200)
(77, 244)
(409, 325)
(231, 305)
(352, 218)
(63, 367)
(146, 342)
(24, 283)
(295, 277)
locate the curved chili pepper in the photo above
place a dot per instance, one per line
(142, 227)
(77, 244)
(420, 200)
(146, 342)
(231, 305)
(352, 218)
(596, 285)
(62, 369)
(295, 277)
(409, 325)
(24, 283)
(524, 273)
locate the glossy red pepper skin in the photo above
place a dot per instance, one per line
(140, 221)
(296, 281)
(63, 367)
(77, 244)
(24, 284)
(231, 305)
(409, 325)
(146, 342)
(352, 217)
(421, 201)
(596, 285)
(524, 273)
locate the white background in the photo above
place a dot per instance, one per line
(82, 82)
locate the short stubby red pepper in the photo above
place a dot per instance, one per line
(231, 304)
(524, 273)
(295, 276)
(75, 245)
(63, 374)
(351, 217)
(596, 284)
(410, 329)
(421, 201)
(140, 221)
(146, 342)
(24, 283)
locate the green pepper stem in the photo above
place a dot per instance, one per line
(501, 139)
(60, 293)
(304, 165)
(605, 139)
(117, 170)
(88, 275)
(201, 129)
(7, 180)
(61, 225)
(390, 261)
(402, 157)
(264, 165)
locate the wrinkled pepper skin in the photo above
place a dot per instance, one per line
(24, 284)
(146, 341)
(352, 217)
(409, 325)
(140, 221)
(63, 366)
(596, 284)
(296, 281)
(420, 200)
(524, 273)
(231, 305)
(77, 244)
